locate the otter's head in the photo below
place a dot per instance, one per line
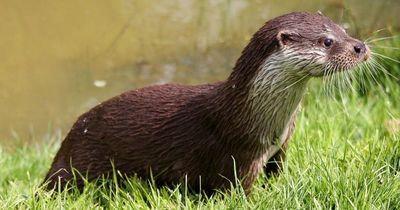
(303, 44)
(316, 41)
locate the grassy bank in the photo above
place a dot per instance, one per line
(342, 156)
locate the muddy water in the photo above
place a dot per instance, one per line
(59, 58)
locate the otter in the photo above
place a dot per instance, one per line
(208, 135)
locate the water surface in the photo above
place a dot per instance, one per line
(60, 58)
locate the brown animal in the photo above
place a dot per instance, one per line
(207, 133)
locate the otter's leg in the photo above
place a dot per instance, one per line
(58, 176)
(86, 160)
(74, 172)
(274, 164)
(83, 153)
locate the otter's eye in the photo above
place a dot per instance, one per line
(328, 42)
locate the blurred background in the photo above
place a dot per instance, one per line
(60, 58)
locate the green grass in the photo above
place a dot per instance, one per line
(341, 156)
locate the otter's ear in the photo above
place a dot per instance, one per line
(286, 37)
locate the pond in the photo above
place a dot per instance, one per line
(60, 58)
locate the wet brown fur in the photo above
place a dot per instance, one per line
(175, 132)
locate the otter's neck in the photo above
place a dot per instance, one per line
(258, 111)
(273, 98)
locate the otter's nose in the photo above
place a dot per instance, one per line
(359, 48)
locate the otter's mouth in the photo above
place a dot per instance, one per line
(329, 70)
(342, 63)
